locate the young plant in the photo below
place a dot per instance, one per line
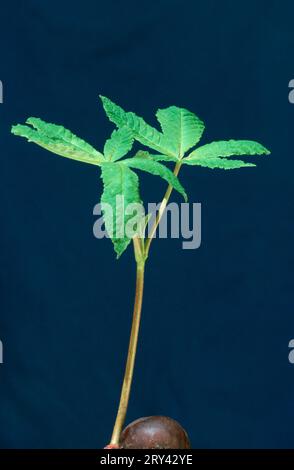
(181, 130)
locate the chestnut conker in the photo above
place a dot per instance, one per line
(154, 432)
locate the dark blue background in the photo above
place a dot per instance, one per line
(217, 320)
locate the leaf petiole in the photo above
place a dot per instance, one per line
(160, 213)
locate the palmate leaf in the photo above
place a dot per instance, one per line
(141, 131)
(181, 127)
(119, 144)
(58, 140)
(118, 180)
(155, 168)
(228, 148)
(181, 130)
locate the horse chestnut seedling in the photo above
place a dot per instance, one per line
(181, 130)
(154, 432)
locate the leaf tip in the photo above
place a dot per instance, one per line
(20, 130)
(104, 99)
(13, 129)
(264, 150)
(31, 120)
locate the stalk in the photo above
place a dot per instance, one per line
(141, 253)
(129, 370)
(161, 211)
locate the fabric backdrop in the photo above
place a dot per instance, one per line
(217, 321)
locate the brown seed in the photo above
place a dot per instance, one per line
(154, 432)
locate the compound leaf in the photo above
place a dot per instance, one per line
(181, 127)
(120, 188)
(155, 168)
(58, 140)
(119, 144)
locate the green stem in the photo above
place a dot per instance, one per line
(160, 212)
(141, 253)
(129, 370)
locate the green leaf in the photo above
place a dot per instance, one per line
(228, 148)
(163, 158)
(155, 168)
(119, 144)
(155, 157)
(181, 127)
(141, 131)
(119, 180)
(58, 140)
(215, 162)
